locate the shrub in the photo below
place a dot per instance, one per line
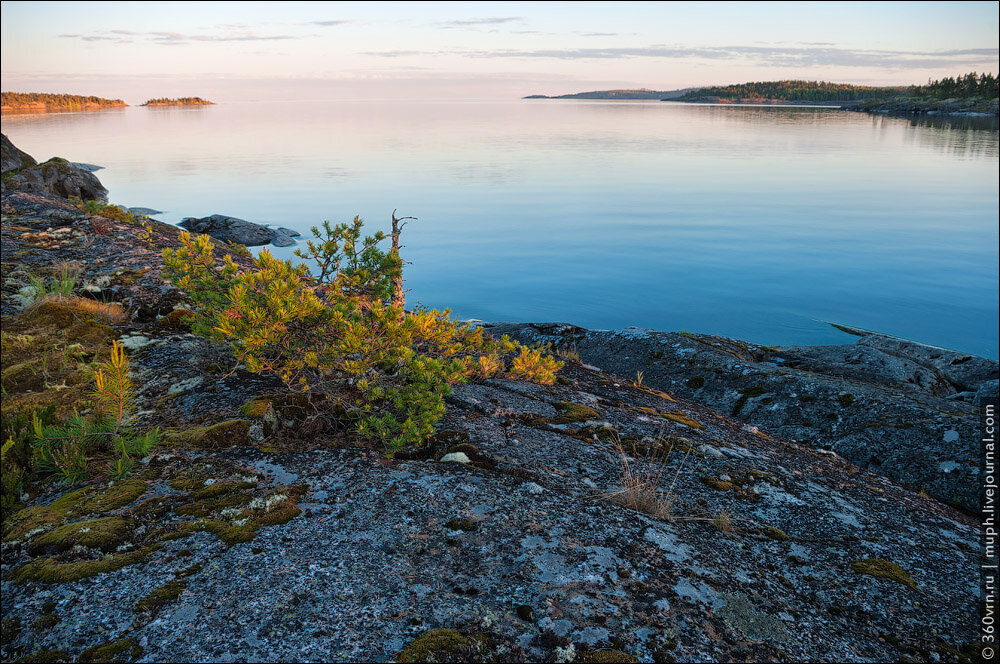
(342, 331)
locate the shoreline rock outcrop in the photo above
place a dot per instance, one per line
(56, 176)
(896, 407)
(235, 230)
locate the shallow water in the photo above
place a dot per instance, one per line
(750, 222)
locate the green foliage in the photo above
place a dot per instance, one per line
(60, 285)
(48, 101)
(338, 331)
(960, 87)
(180, 101)
(63, 449)
(814, 91)
(108, 211)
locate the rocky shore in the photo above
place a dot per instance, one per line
(794, 516)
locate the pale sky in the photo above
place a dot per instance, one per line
(329, 50)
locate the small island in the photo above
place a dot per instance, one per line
(44, 102)
(180, 101)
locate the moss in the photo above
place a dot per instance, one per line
(235, 525)
(23, 377)
(45, 655)
(218, 489)
(51, 570)
(289, 406)
(573, 412)
(716, 483)
(104, 534)
(10, 628)
(696, 382)
(93, 500)
(256, 408)
(459, 523)
(178, 320)
(680, 418)
(88, 500)
(775, 533)
(231, 433)
(846, 399)
(601, 433)
(125, 650)
(604, 657)
(884, 569)
(204, 508)
(156, 600)
(442, 645)
(46, 622)
(31, 520)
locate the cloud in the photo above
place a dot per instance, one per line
(476, 22)
(771, 55)
(598, 34)
(329, 24)
(172, 38)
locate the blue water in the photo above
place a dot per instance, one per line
(749, 222)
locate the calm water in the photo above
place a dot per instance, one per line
(756, 223)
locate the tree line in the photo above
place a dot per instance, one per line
(15, 100)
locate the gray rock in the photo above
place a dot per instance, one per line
(878, 403)
(230, 229)
(13, 158)
(56, 176)
(288, 231)
(144, 211)
(282, 240)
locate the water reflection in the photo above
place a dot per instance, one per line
(753, 222)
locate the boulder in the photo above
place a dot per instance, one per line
(230, 229)
(56, 176)
(14, 159)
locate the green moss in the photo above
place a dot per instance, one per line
(459, 523)
(442, 645)
(203, 508)
(231, 433)
(156, 600)
(599, 432)
(884, 569)
(235, 525)
(44, 656)
(696, 382)
(125, 650)
(31, 520)
(10, 628)
(93, 500)
(51, 570)
(573, 412)
(256, 408)
(104, 534)
(88, 500)
(775, 533)
(217, 489)
(46, 622)
(604, 657)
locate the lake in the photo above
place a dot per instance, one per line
(760, 223)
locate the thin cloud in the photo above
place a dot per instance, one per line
(329, 24)
(598, 34)
(173, 38)
(477, 22)
(779, 56)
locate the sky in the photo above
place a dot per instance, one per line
(230, 51)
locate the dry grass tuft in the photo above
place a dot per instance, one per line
(104, 312)
(642, 481)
